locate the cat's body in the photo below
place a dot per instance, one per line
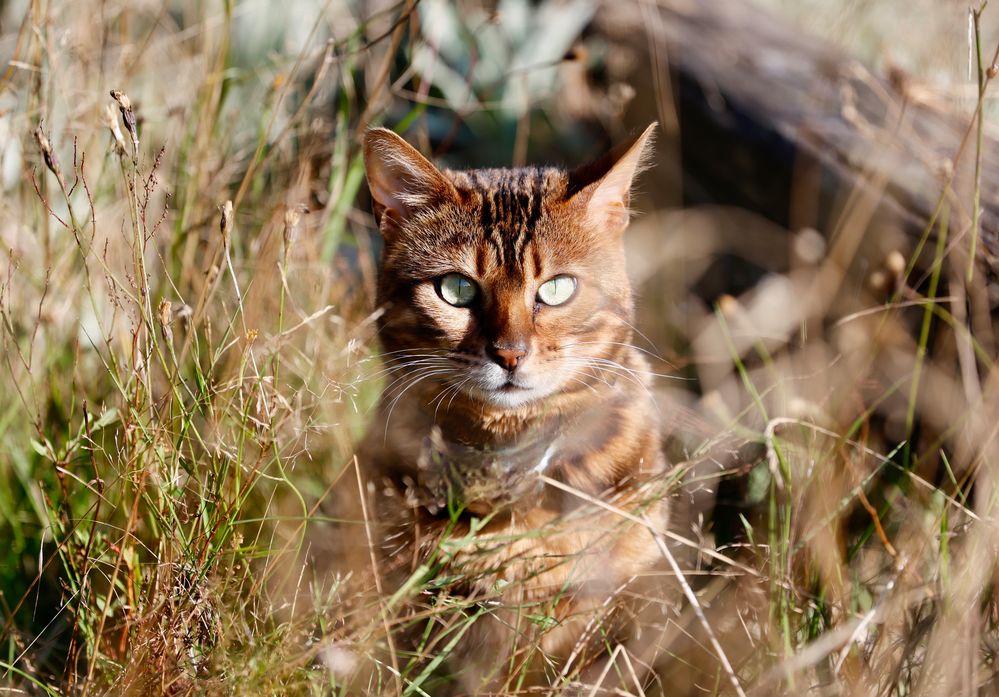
(507, 338)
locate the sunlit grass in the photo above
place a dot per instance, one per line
(189, 360)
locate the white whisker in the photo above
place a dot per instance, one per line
(615, 343)
(420, 377)
(408, 364)
(623, 372)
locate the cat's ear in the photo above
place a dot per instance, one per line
(401, 179)
(604, 186)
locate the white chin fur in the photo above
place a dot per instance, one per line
(511, 399)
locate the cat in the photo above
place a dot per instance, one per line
(516, 407)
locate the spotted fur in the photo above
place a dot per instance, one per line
(458, 426)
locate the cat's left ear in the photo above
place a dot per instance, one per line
(604, 186)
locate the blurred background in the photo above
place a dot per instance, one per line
(188, 324)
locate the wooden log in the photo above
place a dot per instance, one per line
(775, 121)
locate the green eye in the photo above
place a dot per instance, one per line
(456, 289)
(557, 291)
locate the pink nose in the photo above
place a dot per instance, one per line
(508, 357)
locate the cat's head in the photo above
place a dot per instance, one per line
(505, 285)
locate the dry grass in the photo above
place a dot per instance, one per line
(189, 360)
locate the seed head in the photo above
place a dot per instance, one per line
(127, 116)
(48, 155)
(225, 222)
(183, 315)
(164, 313)
(292, 216)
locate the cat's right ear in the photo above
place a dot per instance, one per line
(402, 181)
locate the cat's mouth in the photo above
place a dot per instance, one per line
(508, 389)
(511, 386)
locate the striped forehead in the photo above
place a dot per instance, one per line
(510, 205)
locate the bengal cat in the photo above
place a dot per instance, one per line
(516, 406)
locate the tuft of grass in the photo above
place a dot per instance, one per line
(189, 359)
